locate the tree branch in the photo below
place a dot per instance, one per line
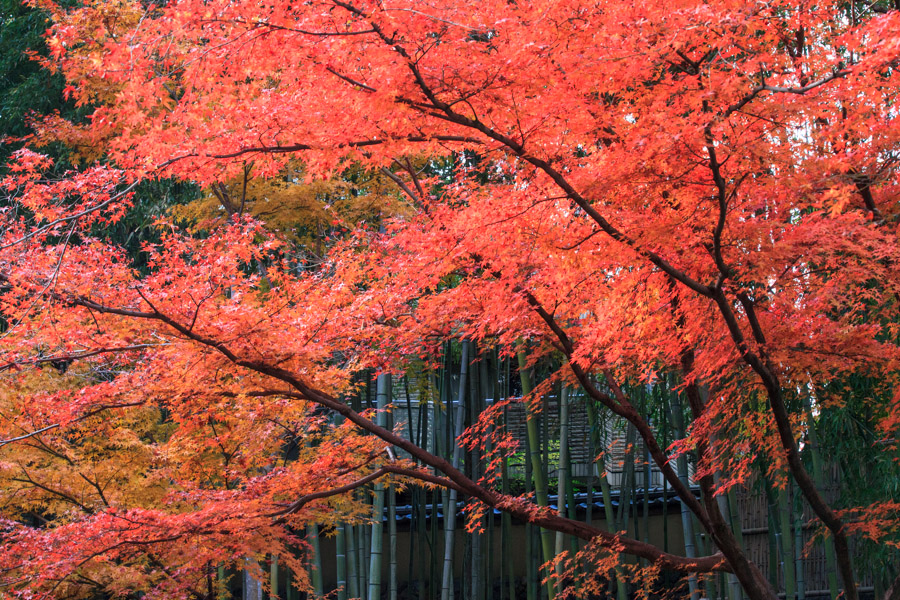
(516, 507)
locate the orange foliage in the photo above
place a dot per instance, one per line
(702, 188)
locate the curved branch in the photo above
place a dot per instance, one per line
(58, 425)
(74, 356)
(300, 147)
(622, 407)
(454, 477)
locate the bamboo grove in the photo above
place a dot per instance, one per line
(372, 299)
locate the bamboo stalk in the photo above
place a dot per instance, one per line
(340, 543)
(537, 464)
(489, 390)
(531, 585)
(625, 491)
(414, 538)
(312, 533)
(687, 523)
(252, 587)
(561, 490)
(734, 586)
(786, 539)
(353, 587)
(531, 570)
(506, 518)
(392, 544)
(612, 522)
(819, 480)
(273, 577)
(222, 583)
(442, 495)
(450, 515)
(290, 592)
(798, 553)
(592, 453)
(663, 391)
(774, 540)
(383, 400)
(356, 536)
(476, 544)
(571, 513)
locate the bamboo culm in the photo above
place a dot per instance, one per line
(383, 400)
(537, 463)
(450, 513)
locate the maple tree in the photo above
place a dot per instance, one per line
(703, 190)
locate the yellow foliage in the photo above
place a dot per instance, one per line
(88, 465)
(306, 212)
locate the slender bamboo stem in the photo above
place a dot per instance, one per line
(561, 489)
(786, 539)
(506, 518)
(450, 514)
(537, 464)
(681, 463)
(612, 522)
(222, 583)
(290, 592)
(798, 551)
(273, 577)
(353, 587)
(734, 586)
(383, 400)
(340, 562)
(312, 533)
(392, 544)
(819, 479)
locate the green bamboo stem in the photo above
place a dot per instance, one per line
(424, 546)
(222, 583)
(290, 592)
(606, 493)
(450, 514)
(537, 464)
(415, 436)
(704, 547)
(532, 586)
(819, 480)
(574, 543)
(734, 586)
(561, 483)
(687, 523)
(383, 400)
(627, 486)
(353, 587)
(645, 508)
(273, 577)
(356, 537)
(506, 518)
(645, 512)
(798, 554)
(786, 543)
(489, 389)
(592, 452)
(626, 492)
(433, 565)
(411, 575)
(340, 562)
(476, 541)
(442, 496)
(312, 533)
(392, 544)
